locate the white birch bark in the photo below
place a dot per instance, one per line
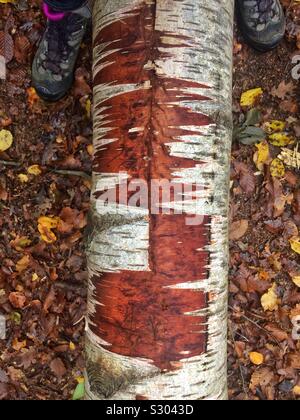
(120, 240)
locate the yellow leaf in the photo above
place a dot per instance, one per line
(296, 390)
(72, 346)
(45, 226)
(22, 264)
(6, 140)
(281, 139)
(88, 108)
(256, 358)
(270, 299)
(296, 280)
(277, 168)
(250, 97)
(80, 379)
(7, 1)
(90, 149)
(34, 170)
(262, 155)
(274, 126)
(35, 277)
(23, 178)
(295, 244)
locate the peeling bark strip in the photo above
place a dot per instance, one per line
(158, 286)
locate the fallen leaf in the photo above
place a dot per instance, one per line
(45, 226)
(17, 300)
(296, 280)
(238, 229)
(262, 156)
(70, 219)
(32, 96)
(34, 170)
(79, 392)
(274, 126)
(18, 345)
(6, 140)
(23, 178)
(250, 97)
(256, 358)
(58, 368)
(277, 168)
(277, 332)
(296, 390)
(281, 139)
(261, 377)
(283, 90)
(34, 277)
(295, 244)
(23, 264)
(269, 300)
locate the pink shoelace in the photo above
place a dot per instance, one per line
(52, 15)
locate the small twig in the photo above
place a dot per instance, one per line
(72, 173)
(9, 163)
(257, 326)
(240, 366)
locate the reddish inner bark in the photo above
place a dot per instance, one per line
(140, 316)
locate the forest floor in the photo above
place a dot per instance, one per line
(46, 172)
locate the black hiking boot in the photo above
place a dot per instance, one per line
(54, 63)
(262, 23)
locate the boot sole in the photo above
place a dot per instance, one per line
(260, 47)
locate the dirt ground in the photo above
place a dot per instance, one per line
(47, 172)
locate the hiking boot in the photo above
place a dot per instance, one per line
(262, 22)
(54, 63)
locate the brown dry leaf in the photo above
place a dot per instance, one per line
(290, 106)
(294, 360)
(70, 219)
(238, 229)
(22, 49)
(58, 368)
(50, 299)
(295, 312)
(23, 264)
(283, 90)
(277, 332)
(17, 299)
(247, 179)
(16, 375)
(3, 193)
(81, 87)
(261, 377)
(19, 345)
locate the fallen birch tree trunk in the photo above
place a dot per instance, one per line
(158, 261)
